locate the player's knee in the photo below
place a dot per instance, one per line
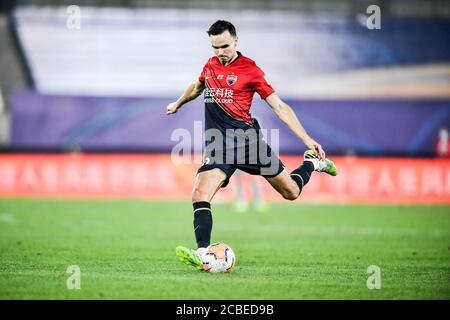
(291, 193)
(199, 195)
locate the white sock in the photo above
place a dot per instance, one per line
(201, 251)
(315, 163)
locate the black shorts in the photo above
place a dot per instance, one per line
(268, 167)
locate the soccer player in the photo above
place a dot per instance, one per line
(230, 80)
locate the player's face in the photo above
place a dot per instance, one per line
(224, 46)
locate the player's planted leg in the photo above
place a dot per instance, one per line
(202, 230)
(202, 223)
(206, 185)
(190, 257)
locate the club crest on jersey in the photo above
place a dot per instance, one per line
(231, 79)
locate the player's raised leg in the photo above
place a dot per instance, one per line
(291, 185)
(207, 183)
(321, 165)
(285, 185)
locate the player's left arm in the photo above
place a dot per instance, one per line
(285, 113)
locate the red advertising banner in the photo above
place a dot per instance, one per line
(360, 180)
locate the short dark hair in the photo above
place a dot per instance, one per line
(221, 26)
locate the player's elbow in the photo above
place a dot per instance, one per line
(198, 88)
(278, 107)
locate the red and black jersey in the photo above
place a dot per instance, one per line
(229, 92)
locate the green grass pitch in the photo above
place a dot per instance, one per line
(126, 250)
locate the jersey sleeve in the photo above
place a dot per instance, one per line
(261, 85)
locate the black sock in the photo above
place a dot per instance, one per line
(202, 223)
(302, 174)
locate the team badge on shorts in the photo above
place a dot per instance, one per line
(206, 161)
(231, 79)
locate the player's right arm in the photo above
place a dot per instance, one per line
(285, 113)
(194, 89)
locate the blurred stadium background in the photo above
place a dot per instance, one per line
(82, 116)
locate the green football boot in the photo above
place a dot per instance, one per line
(321, 165)
(189, 257)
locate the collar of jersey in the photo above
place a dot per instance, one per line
(239, 55)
